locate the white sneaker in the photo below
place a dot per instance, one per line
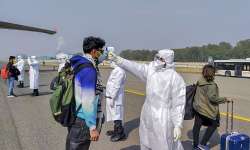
(10, 96)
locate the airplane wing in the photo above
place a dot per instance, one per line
(12, 26)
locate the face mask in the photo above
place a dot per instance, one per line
(103, 56)
(159, 64)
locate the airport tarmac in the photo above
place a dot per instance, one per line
(26, 122)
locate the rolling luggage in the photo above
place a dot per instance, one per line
(233, 140)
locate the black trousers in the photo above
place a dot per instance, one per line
(78, 137)
(211, 127)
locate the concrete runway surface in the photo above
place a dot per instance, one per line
(26, 122)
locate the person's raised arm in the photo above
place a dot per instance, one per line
(137, 69)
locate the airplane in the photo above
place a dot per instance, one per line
(12, 26)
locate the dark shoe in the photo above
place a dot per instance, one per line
(36, 92)
(22, 85)
(110, 133)
(117, 137)
(118, 132)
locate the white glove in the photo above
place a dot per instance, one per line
(177, 133)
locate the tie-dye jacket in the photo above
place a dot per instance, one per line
(85, 90)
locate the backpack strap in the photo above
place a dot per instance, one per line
(77, 70)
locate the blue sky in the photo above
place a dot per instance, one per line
(135, 24)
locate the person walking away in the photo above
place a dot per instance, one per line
(206, 106)
(115, 101)
(20, 66)
(84, 130)
(163, 110)
(12, 76)
(34, 74)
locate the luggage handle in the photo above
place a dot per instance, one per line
(232, 116)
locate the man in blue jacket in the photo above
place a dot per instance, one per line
(84, 130)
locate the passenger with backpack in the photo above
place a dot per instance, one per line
(84, 129)
(206, 107)
(12, 74)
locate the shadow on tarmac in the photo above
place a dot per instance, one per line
(26, 86)
(133, 147)
(40, 94)
(131, 125)
(45, 93)
(214, 140)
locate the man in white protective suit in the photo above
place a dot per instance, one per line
(114, 102)
(62, 58)
(163, 110)
(20, 66)
(34, 74)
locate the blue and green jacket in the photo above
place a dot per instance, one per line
(85, 90)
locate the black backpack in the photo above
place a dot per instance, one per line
(190, 93)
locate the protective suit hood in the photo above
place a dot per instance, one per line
(19, 57)
(62, 57)
(168, 56)
(33, 59)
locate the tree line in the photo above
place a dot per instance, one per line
(223, 50)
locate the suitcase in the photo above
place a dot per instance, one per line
(233, 140)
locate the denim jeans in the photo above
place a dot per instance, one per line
(10, 82)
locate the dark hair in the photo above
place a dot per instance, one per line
(208, 72)
(11, 58)
(90, 43)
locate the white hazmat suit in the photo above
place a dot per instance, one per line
(115, 94)
(34, 72)
(163, 110)
(20, 66)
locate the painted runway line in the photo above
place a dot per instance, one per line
(238, 117)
